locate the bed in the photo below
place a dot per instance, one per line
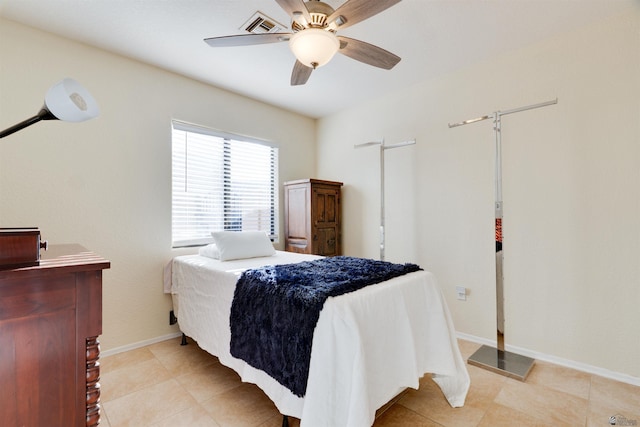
(368, 345)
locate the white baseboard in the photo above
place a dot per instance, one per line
(139, 344)
(578, 366)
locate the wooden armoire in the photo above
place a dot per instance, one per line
(313, 217)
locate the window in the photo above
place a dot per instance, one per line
(221, 182)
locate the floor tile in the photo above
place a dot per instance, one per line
(125, 359)
(620, 396)
(128, 379)
(467, 348)
(180, 360)
(169, 346)
(560, 378)
(104, 420)
(243, 406)
(400, 416)
(194, 416)
(429, 401)
(390, 403)
(612, 398)
(502, 416)
(149, 405)
(548, 405)
(208, 380)
(276, 421)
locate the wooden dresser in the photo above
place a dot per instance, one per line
(50, 320)
(312, 217)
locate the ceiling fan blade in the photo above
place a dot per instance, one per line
(300, 74)
(247, 39)
(367, 53)
(294, 7)
(354, 11)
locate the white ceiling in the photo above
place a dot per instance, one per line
(431, 36)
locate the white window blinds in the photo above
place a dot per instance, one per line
(221, 182)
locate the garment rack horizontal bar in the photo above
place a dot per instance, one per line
(503, 113)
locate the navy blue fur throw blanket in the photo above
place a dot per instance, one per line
(275, 310)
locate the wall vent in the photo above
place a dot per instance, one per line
(260, 23)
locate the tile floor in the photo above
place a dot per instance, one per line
(166, 384)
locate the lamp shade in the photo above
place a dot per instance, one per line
(68, 101)
(314, 47)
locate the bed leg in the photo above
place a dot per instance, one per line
(184, 340)
(285, 421)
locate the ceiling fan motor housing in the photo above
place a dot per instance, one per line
(319, 11)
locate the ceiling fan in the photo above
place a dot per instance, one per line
(313, 38)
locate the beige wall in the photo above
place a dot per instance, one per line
(571, 191)
(106, 183)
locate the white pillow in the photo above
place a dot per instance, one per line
(242, 244)
(210, 251)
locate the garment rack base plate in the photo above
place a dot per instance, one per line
(502, 362)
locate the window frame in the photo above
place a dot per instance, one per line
(227, 141)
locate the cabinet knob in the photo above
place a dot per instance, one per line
(44, 244)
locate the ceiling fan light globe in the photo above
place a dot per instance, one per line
(314, 47)
(68, 101)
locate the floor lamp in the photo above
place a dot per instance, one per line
(498, 359)
(67, 100)
(383, 148)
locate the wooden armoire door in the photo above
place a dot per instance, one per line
(326, 221)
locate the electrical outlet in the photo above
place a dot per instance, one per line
(461, 293)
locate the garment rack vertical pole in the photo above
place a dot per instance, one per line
(498, 359)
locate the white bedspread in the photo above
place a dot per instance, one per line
(368, 345)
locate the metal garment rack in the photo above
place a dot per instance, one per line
(383, 147)
(498, 359)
